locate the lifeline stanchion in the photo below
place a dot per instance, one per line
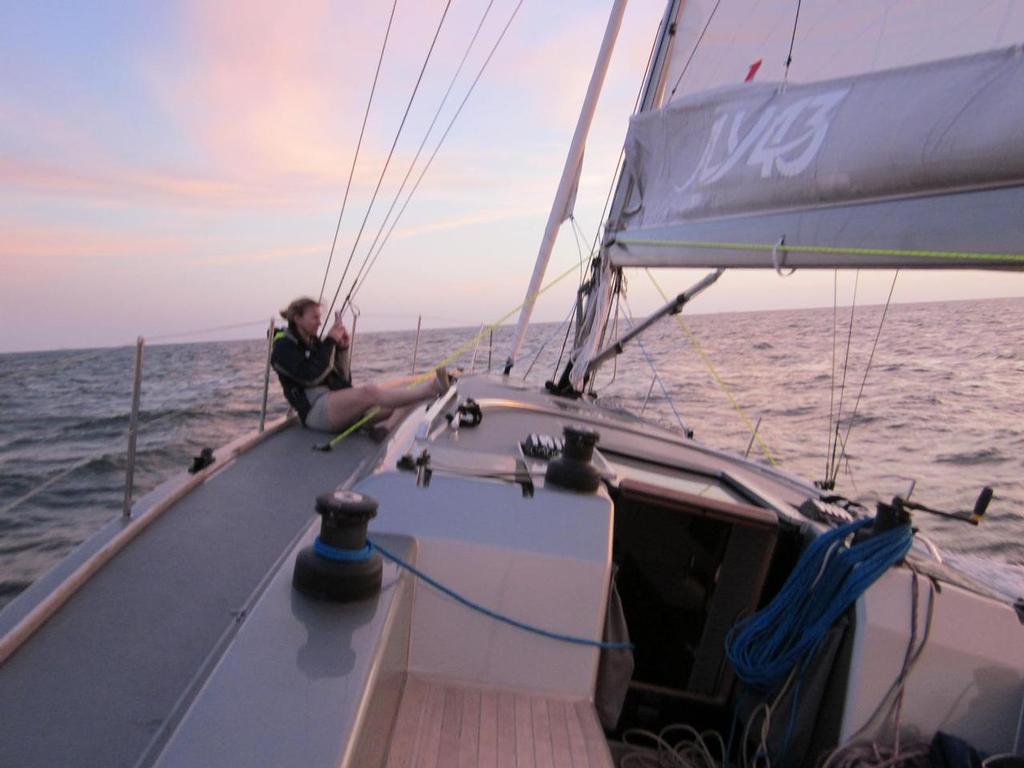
(416, 344)
(133, 428)
(266, 375)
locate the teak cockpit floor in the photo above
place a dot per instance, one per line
(444, 724)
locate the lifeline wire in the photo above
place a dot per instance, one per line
(203, 331)
(391, 153)
(73, 468)
(359, 143)
(355, 288)
(48, 482)
(574, 640)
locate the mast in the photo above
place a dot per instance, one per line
(565, 197)
(599, 296)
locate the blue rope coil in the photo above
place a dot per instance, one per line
(829, 577)
(494, 614)
(342, 555)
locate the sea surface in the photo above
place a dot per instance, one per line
(942, 405)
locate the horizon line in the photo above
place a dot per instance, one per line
(161, 340)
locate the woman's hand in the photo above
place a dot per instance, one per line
(339, 332)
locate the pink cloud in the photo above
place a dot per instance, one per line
(458, 222)
(260, 92)
(115, 185)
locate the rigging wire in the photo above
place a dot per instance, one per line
(832, 385)
(650, 361)
(695, 342)
(359, 144)
(577, 233)
(454, 355)
(423, 143)
(565, 341)
(558, 330)
(867, 369)
(387, 162)
(842, 386)
(356, 287)
(602, 221)
(615, 333)
(620, 163)
(792, 40)
(694, 51)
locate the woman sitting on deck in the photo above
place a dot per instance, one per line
(317, 379)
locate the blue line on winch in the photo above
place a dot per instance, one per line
(342, 555)
(829, 577)
(494, 614)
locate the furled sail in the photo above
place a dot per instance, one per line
(919, 166)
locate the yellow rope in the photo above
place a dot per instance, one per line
(1009, 258)
(718, 379)
(366, 418)
(487, 329)
(372, 412)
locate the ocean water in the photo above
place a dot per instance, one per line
(941, 405)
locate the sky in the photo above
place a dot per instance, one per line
(168, 168)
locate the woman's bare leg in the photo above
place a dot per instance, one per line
(345, 406)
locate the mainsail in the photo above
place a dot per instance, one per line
(921, 166)
(875, 134)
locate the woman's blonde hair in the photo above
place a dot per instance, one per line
(298, 307)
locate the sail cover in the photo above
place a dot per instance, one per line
(920, 166)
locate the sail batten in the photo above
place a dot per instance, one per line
(916, 167)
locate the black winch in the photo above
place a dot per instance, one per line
(574, 469)
(341, 565)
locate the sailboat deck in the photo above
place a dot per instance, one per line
(444, 723)
(106, 678)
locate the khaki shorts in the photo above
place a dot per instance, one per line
(317, 417)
